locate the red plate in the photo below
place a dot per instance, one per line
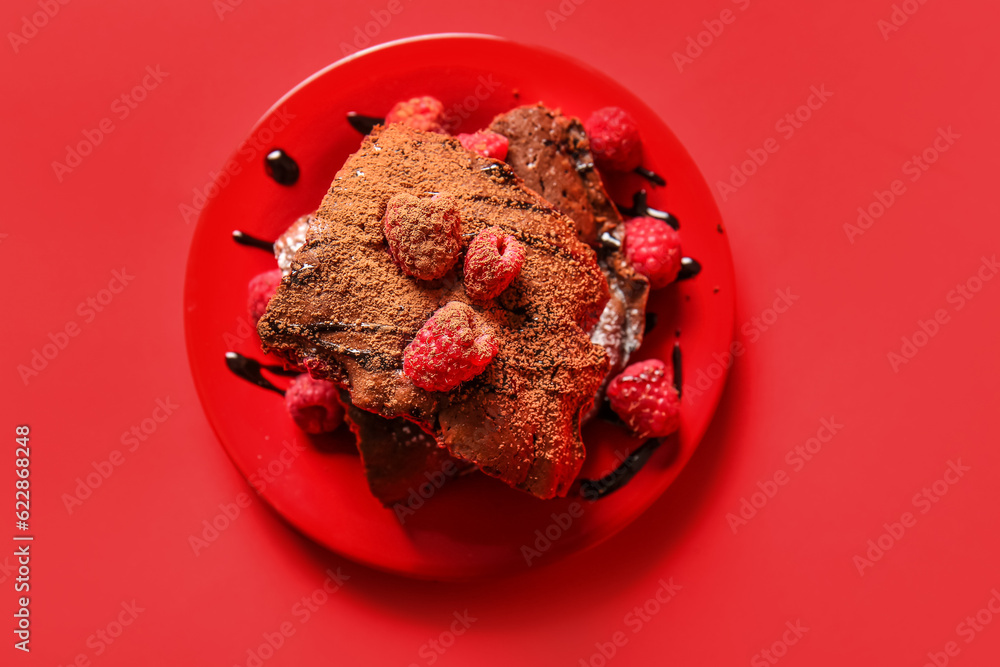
(474, 526)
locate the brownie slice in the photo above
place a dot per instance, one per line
(551, 153)
(347, 312)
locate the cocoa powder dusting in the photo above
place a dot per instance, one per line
(519, 419)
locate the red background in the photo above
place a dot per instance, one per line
(826, 357)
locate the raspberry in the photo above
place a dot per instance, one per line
(424, 113)
(654, 249)
(449, 349)
(313, 404)
(486, 143)
(260, 290)
(424, 235)
(645, 397)
(614, 139)
(493, 260)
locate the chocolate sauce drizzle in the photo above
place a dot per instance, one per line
(610, 241)
(595, 489)
(605, 413)
(640, 208)
(363, 124)
(675, 361)
(250, 370)
(311, 334)
(650, 176)
(327, 327)
(252, 241)
(506, 202)
(690, 267)
(388, 359)
(281, 167)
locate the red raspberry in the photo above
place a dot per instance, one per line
(449, 349)
(424, 235)
(314, 404)
(645, 397)
(424, 113)
(654, 249)
(260, 290)
(493, 260)
(486, 143)
(614, 139)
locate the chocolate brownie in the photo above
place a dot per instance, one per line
(346, 311)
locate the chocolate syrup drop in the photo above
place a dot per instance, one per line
(640, 208)
(594, 489)
(281, 167)
(690, 267)
(250, 370)
(246, 239)
(675, 361)
(650, 176)
(363, 124)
